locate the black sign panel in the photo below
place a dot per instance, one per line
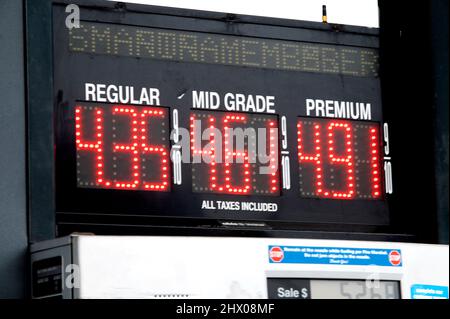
(149, 108)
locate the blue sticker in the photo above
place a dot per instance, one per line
(335, 256)
(429, 292)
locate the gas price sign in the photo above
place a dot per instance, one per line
(164, 115)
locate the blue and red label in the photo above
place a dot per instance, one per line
(335, 256)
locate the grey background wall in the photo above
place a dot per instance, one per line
(13, 210)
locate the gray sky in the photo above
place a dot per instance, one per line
(353, 12)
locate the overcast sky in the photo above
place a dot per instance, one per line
(353, 12)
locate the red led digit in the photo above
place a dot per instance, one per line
(230, 157)
(96, 145)
(195, 152)
(212, 156)
(345, 160)
(314, 158)
(375, 162)
(273, 143)
(155, 150)
(196, 144)
(132, 148)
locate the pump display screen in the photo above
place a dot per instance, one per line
(293, 288)
(167, 116)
